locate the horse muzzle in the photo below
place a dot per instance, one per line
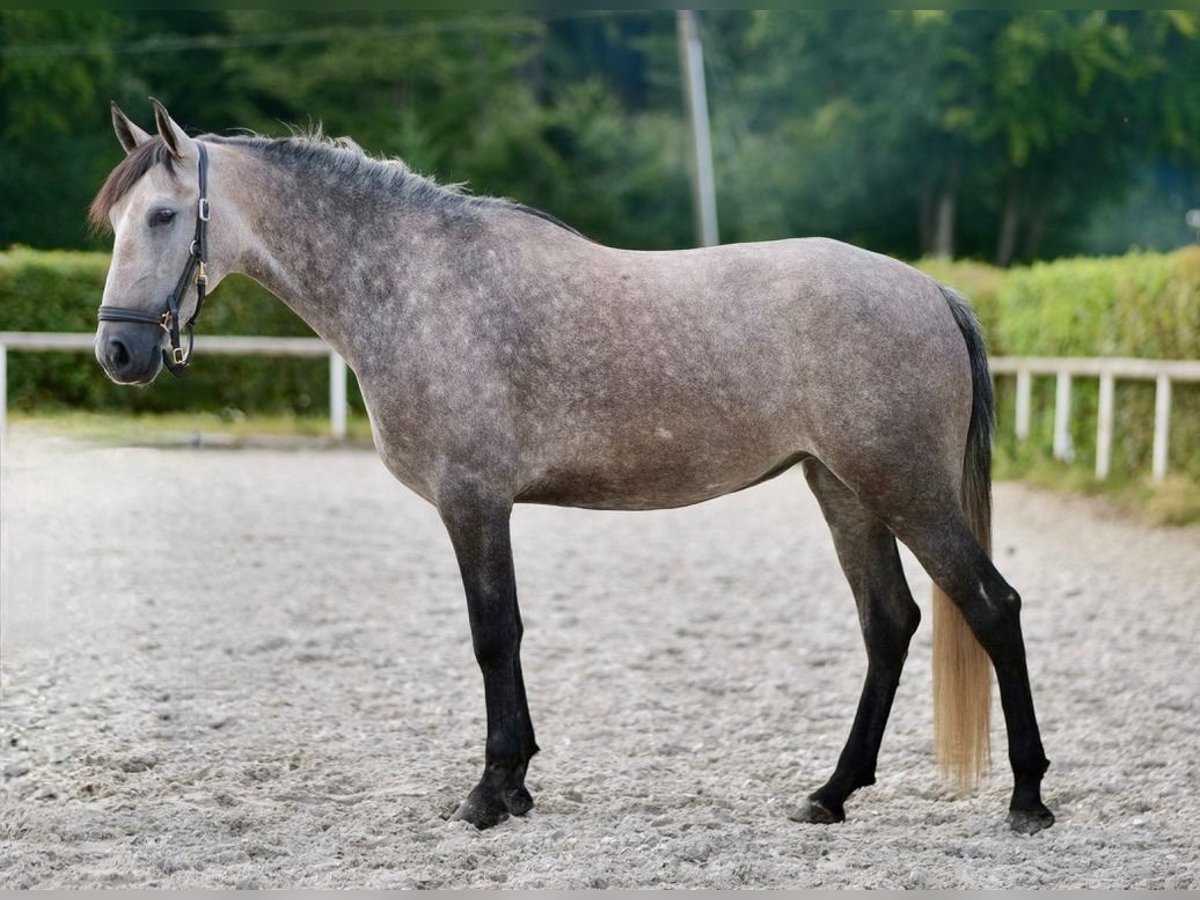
(129, 355)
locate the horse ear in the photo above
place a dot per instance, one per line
(130, 136)
(178, 143)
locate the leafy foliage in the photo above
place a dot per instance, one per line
(990, 134)
(1021, 122)
(53, 114)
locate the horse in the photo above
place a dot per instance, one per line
(505, 358)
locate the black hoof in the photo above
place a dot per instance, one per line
(1030, 821)
(481, 809)
(518, 800)
(494, 799)
(815, 812)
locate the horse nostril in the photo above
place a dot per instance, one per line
(118, 353)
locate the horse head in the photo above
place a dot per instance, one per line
(155, 203)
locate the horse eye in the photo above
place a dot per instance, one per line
(161, 217)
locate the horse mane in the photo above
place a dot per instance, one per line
(340, 158)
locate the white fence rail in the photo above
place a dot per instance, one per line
(1064, 370)
(1108, 369)
(222, 344)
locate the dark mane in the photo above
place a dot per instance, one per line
(339, 158)
(119, 181)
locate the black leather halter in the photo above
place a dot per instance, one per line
(177, 360)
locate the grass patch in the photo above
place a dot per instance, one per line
(230, 427)
(1173, 501)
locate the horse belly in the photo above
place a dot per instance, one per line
(660, 465)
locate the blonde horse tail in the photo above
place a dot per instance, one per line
(962, 672)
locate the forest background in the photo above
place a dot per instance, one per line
(1003, 136)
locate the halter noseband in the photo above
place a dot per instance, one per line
(177, 361)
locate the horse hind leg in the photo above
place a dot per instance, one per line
(888, 616)
(958, 565)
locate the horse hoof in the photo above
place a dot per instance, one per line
(481, 814)
(814, 812)
(1030, 821)
(518, 800)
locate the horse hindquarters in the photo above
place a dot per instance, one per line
(932, 492)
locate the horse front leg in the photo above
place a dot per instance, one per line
(478, 523)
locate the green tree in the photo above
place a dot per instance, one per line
(53, 114)
(468, 100)
(1070, 98)
(995, 134)
(991, 128)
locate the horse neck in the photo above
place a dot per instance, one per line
(332, 260)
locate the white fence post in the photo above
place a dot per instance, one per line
(3, 389)
(1024, 398)
(1104, 430)
(337, 395)
(1062, 418)
(1162, 425)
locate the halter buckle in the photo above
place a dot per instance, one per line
(165, 322)
(177, 356)
(201, 273)
(204, 211)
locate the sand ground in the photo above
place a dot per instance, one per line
(252, 668)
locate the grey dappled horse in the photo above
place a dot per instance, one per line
(503, 358)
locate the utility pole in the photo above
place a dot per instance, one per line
(704, 191)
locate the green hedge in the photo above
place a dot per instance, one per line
(1142, 305)
(60, 291)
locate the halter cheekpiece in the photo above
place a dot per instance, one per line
(194, 272)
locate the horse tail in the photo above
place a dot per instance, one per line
(962, 672)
